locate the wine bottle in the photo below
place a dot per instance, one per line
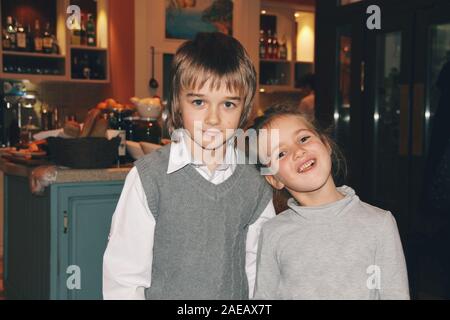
(83, 38)
(283, 48)
(47, 41)
(21, 38)
(30, 40)
(38, 43)
(262, 45)
(269, 47)
(90, 31)
(11, 32)
(75, 39)
(275, 47)
(6, 41)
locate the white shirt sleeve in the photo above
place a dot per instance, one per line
(252, 246)
(127, 262)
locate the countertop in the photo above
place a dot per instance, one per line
(67, 175)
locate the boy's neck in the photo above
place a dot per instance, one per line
(325, 195)
(210, 158)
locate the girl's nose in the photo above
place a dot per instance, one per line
(299, 152)
(212, 118)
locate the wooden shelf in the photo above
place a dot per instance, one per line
(87, 48)
(276, 60)
(33, 77)
(277, 88)
(92, 81)
(57, 16)
(34, 54)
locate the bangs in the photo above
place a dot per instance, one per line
(195, 78)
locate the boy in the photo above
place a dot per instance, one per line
(187, 222)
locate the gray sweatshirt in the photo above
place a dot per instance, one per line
(344, 250)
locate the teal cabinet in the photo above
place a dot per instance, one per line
(55, 243)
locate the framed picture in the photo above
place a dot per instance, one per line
(185, 18)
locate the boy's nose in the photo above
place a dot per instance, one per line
(212, 117)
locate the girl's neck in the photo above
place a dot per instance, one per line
(325, 195)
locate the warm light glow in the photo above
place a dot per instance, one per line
(305, 36)
(262, 90)
(336, 116)
(297, 15)
(263, 11)
(102, 25)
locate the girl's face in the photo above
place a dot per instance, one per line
(301, 159)
(210, 116)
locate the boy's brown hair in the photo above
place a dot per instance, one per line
(216, 57)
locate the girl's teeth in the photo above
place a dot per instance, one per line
(306, 165)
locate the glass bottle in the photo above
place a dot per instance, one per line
(90, 32)
(47, 41)
(21, 38)
(38, 43)
(283, 48)
(262, 45)
(269, 47)
(12, 33)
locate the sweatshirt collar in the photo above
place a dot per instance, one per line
(326, 212)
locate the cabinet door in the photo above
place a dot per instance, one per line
(84, 219)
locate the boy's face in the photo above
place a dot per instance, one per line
(302, 161)
(210, 116)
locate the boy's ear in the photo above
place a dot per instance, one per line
(274, 182)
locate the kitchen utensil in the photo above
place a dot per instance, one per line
(153, 83)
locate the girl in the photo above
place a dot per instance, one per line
(328, 244)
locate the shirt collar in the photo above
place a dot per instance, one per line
(180, 155)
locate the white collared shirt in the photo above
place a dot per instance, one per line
(128, 259)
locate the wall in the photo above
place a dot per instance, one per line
(150, 31)
(77, 98)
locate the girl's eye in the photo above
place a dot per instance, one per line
(304, 139)
(197, 103)
(281, 154)
(229, 105)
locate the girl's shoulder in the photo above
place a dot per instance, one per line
(279, 224)
(373, 217)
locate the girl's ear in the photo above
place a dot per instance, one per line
(274, 182)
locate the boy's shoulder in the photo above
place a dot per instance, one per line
(155, 161)
(161, 154)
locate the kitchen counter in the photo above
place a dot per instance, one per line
(67, 175)
(65, 224)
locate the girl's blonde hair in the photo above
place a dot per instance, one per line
(215, 57)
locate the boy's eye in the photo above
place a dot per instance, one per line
(304, 139)
(229, 105)
(198, 103)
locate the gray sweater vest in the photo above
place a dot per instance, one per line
(201, 229)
